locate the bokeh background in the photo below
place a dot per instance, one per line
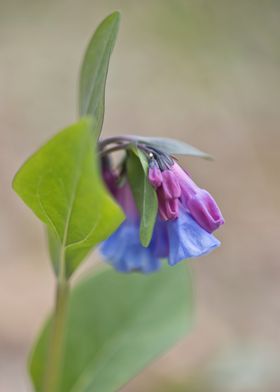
(204, 71)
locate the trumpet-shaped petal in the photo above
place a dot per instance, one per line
(125, 253)
(160, 241)
(188, 239)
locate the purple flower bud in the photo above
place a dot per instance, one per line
(205, 211)
(122, 194)
(125, 198)
(198, 202)
(155, 176)
(168, 194)
(110, 179)
(168, 208)
(170, 185)
(109, 175)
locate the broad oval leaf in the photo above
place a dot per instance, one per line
(117, 324)
(95, 68)
(143, 193)
(173, 146)
(62, 185)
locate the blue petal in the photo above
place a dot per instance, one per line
(159, 243)
(188, 239)
(124, 251)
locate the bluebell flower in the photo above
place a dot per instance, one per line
(126, 254)
(123, 248)
(187, 239)
(187, 215)
(180, 239)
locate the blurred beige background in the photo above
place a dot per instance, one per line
(206, 72)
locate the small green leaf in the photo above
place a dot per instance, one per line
(173, 146)
(95, 68)
(61, 184)
(117, 324)
(143, 192)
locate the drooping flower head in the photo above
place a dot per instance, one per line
(185, 218)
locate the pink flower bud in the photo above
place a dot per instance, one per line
(125, 199)
(110, 179)
(170, 185)
(155, 176)
(168, 208)
(168, 194)
(205, 211)
(200, 204)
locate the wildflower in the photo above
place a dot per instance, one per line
(198, 202)
(187, 214)
(123, 248)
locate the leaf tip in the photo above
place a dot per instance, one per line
(14, 181)
(115, 15)
(208, 157)
(145, 241)
(113, 19)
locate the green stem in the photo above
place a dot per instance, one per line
(54, 358)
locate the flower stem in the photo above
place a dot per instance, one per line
(54, 358)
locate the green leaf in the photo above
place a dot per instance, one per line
(95, 68)
(143, 193)
(61, 184)
(117, 324)
(173, 146)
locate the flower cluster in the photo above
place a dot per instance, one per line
(187, 215)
